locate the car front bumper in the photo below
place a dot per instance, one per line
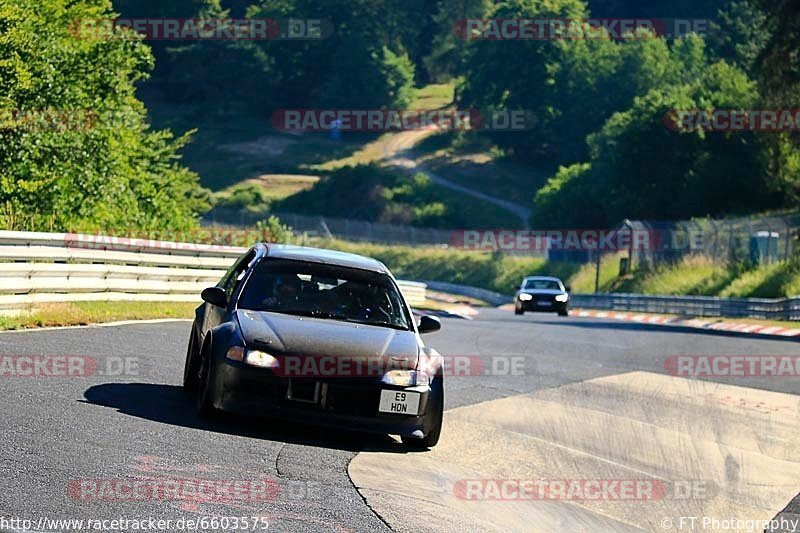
(544, 305)
(347, 403)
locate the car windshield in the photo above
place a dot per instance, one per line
(324, 291)
(542, 284)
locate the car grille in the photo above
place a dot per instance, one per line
(338, 397)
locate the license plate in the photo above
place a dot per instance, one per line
(399, 402)
(544, 304)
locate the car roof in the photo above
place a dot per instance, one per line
(322, 255)
(543, 278)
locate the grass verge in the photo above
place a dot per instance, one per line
(699, 276)
(433, 96)
(85, 313)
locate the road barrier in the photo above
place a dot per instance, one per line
(38, 268)
(701, 306)
(492, 297)
(63, 267)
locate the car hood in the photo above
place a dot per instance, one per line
(550, 292)
(294, 335)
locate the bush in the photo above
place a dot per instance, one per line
(247, 196)
(273, 231)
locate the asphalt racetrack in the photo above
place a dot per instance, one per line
(595, 400)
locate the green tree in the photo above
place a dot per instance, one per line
(518, 75)
(105, 171)
(683, 9)
(780, 62)
(364, 63)
(571, 86)
(368, 78)
(778, 69)
(639, 168)
(740, 34)
(448, 51)
(595, 78)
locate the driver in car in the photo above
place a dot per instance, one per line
(286, 292)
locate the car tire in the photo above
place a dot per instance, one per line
(519, 310)
(437, 414)
(191, 368)
(205, 386)
(563, 313)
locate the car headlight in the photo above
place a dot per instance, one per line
(406, 378)
(562, 297)
(261, 359)
(524, 297)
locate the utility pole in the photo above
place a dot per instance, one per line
(597, 273)
(627, 223)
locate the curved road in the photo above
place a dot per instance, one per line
(398, 151)
(60, 432)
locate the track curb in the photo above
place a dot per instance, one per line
(698, 323)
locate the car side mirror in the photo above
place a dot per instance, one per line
(429, 324)
(215, 296)
(568, 288)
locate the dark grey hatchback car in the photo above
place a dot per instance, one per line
(317, 336)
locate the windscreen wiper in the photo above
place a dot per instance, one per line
(380, 323)
(311, 313)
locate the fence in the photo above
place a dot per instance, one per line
(341, 228)
(761, 240)
(60, 267)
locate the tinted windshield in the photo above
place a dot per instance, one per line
(542, 284)
(323, 291)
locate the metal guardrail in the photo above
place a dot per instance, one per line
(494, 298)
(63, 267)
(703, 306)
(414, 292)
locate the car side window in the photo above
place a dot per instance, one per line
(234, 275)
